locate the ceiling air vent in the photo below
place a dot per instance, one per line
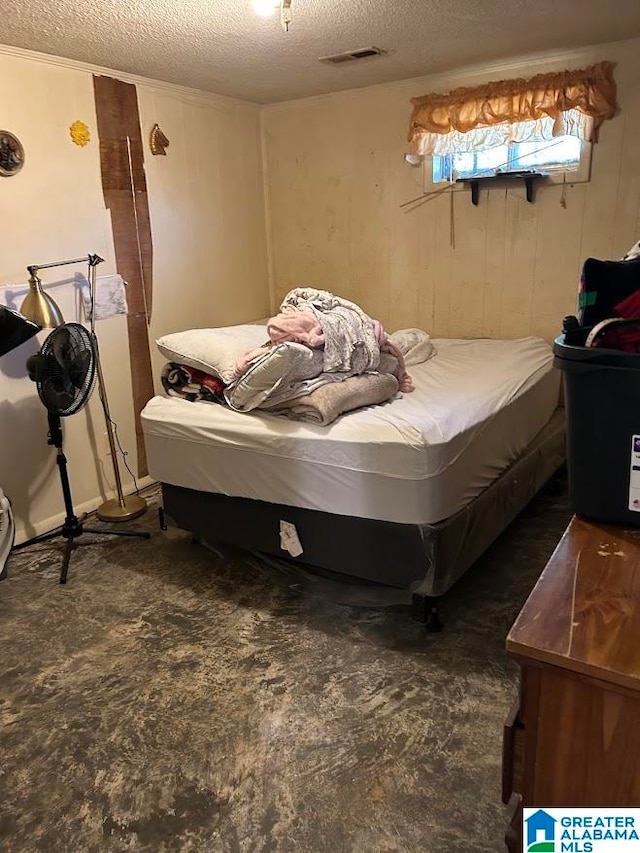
(351, 55)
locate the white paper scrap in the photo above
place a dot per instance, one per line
(289, 539)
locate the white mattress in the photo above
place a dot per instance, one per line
(416, 460)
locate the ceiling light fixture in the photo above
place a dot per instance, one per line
(266, 8)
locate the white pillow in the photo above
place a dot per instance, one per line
(633, 252)
(414, 344)
(214, 351)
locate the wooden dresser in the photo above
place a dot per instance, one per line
(573, 735)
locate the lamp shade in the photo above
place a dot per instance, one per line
(14, 329)
(39, 307)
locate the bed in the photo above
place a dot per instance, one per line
(406, 494)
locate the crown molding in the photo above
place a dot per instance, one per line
(525, 63)
(183, 92)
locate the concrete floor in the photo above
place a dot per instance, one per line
(172, 699)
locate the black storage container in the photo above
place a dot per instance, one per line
(602, 398)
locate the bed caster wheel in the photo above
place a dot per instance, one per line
(434, 623)
(556, 486)
(425, 609)
(162, 519)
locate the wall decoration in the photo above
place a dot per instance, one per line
(80, 133)
(11, 154)
(158, 141)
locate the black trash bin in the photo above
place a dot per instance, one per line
(602, 398)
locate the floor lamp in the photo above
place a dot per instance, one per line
(40, 308)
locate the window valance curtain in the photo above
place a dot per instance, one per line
(553, 104)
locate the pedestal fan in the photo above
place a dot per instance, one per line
(64, 372)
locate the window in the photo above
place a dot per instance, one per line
(562, 154)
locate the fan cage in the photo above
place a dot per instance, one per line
(67, 369)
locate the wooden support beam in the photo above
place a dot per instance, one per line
(125, 195)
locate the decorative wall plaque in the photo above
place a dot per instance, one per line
(11, 154)
(158, 142)
(80, 133)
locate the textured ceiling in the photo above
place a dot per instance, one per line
(222, 46)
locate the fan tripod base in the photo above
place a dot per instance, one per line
(71, 530)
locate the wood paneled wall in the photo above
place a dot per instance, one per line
(336, 177)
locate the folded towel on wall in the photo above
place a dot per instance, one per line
(333, 399)
(110, 298)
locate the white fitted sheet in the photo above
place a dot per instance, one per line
(416, 460)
